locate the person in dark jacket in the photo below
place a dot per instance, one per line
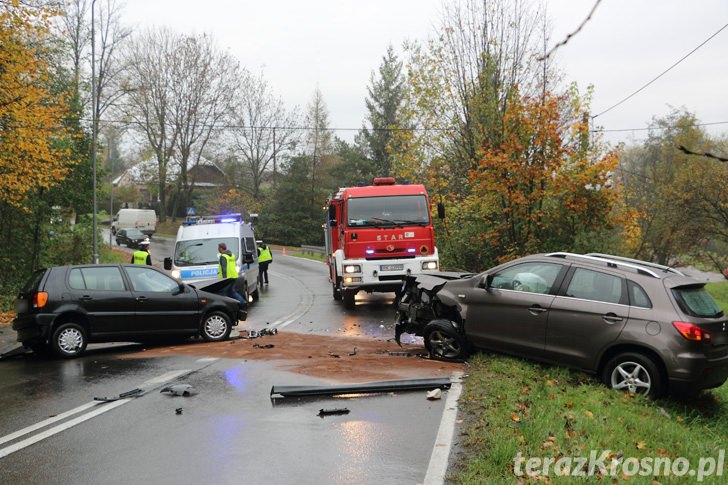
(141, 255)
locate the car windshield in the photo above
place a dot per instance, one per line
(388, 211)
(134, 233)
(202, 251)
(696, 301)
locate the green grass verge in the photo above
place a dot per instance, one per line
(514, 406)
(112, 256)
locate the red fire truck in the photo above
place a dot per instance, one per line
(377, 235)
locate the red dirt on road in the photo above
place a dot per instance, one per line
(352, 359)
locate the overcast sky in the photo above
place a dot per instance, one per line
(335, 45)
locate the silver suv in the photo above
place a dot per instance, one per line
(641, 327)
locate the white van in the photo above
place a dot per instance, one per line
(143, 219)
(196, 256)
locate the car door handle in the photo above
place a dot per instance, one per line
(536, 309)
(85, 298)
(611, 318)
(141, 298)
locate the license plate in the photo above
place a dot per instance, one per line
(391, 267)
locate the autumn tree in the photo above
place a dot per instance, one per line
(680, 197)
(33, 152)
(459, 85)
(35, 140)
(148, 83)
(541, 188)
(263, 131)
(204, 84)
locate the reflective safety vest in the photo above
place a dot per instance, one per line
(140, 257)
(231, 270)
(264, 255)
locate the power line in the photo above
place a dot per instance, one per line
(663, 73)
(599, 130)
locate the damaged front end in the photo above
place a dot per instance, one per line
(420, 303)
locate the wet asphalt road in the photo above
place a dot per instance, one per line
(230, 431)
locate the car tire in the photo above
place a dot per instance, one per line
(444, 342)
(256, 294)
(349, 297)
(216, 327)
(69, 340)
(635, 373)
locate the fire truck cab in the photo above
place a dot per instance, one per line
(376, 236)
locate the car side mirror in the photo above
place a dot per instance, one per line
(440, 210)
(248, 258)
(168, 263)
(180, 288)
(487, 282)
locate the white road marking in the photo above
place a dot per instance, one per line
(61, 427)
(301, 310)
(208, 359)
(47, 422)
(101, 407)
(443, 442)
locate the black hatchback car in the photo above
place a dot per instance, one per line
(642, 327)
(67, 307)
(130, 237)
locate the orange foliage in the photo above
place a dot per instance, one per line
(32, 152)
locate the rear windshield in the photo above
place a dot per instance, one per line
(33, 282)
(696, 301)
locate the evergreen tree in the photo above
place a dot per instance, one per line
(383, 102)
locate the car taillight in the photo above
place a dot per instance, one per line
(40, 299)
(692, 332)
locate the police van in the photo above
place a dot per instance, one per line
(196, 256)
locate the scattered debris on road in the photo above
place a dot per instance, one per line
(178, 411)
(133, 393)
(332, 412)
(434, 394)
(266, 346)
(185, 390)
(260, 333)
(362, 388)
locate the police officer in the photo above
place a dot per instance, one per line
(226, 268)
(265, 258)
(141, 255)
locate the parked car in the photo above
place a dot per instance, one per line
(641, 327)
(130, 237)
(64, 308)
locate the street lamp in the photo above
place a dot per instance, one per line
(93, 127)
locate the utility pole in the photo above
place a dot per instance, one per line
(93, 127)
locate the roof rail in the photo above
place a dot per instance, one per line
(664, 268)
(609, 262)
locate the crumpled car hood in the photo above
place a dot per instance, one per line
(433, 282)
